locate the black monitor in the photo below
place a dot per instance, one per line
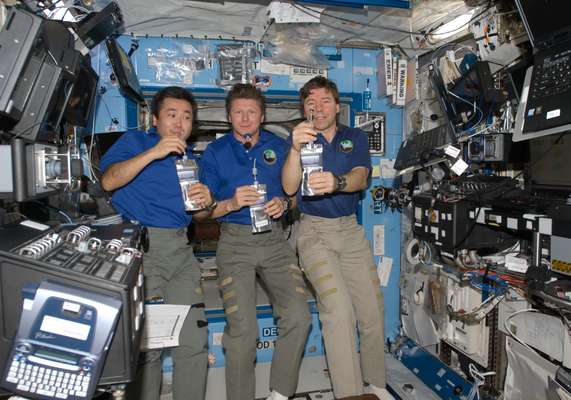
(82, 98)
(18, 42)
(514, 77)
(544, 19)
(43, 111)
(549, 160)
(124, 71)
(477, 85)
(35, 95)
(97, 26)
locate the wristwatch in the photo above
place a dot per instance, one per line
(286, 201)
(340, 182)
(212, 206)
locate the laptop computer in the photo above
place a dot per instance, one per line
(549, 98)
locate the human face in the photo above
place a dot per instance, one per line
(322, 103)
(246, 117)
(175, 118)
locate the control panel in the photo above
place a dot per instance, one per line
(99, 259)
(374, 124)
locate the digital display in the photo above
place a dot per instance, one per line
(63, 327)
(55, 355)
(124, 71)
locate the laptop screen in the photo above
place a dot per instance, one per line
(543, 19)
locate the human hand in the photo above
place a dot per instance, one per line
(303, 133)
(200, 195)
(275, 207)
(322, 182)
(167, 145)
(244, 196)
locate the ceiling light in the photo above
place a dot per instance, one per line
(453, 27)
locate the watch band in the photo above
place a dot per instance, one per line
(286, 203)
(341, 182)
(211, 206)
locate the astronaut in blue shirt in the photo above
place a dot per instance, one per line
(230, 166)
(334, 253)
(140, 170)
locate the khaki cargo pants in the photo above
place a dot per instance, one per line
(241, 256)
(337, 259)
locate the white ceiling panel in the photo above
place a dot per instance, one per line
(248, 20)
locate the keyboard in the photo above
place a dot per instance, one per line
(49, 382)
(553, 76)
(424, 147)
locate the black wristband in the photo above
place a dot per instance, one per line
(211, 206)
(286, 203)
(340, 182)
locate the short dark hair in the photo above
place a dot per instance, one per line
(318, 82)
(174, 92)
(245, 91)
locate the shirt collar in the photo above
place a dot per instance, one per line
(263, 138)
(321, 139)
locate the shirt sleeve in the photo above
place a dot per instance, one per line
(283, 150)
(362, 158)
(123, 149)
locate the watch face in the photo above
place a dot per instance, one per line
(341, 182)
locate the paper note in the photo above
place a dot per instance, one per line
(378, 240)
(459, 167)
(452, 151)
(384, 267)
(163, 323)
(388, 168)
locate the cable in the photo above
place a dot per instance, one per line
(474, 18)
(22, 132)
(499, 196)
(67, 8)
(307, 11)
(89, 159)
(472, 104)
(270, 24)
(413, 259)
(427, 34)
(321, 23)
(59, 211)
(513, 335)
(479, 379)
(529, 167)
(498, 287)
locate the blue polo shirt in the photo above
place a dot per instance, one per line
(349, 149)
(153, 197)
(226, 165)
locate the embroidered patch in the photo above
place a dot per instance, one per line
(346, 146)
(270, 156)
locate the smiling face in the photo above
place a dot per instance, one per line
(174, 119)
(246, 116)
(322, 104)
